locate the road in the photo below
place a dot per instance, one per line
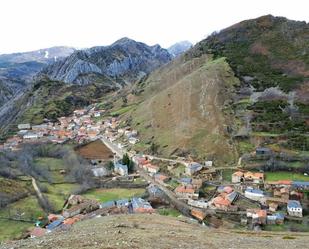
(183, 207)
(113, 147)
(180, 205)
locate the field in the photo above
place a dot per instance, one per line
(280, 175)
(58, 193)
(104, 195)
(28, 209)
(169, 212)
(95, 150)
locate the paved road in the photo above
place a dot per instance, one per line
(113, 147)
(180, 205)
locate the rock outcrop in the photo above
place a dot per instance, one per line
(125, 60)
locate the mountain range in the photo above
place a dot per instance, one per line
(18, 69)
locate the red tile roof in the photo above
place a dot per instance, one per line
(38, 232)
(184, 189)
(221, 201)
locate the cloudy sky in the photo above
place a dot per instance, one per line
(33, 24)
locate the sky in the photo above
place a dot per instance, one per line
(27, 25)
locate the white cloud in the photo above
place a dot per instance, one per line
(35, 24)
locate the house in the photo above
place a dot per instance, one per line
(37, 232)
(198, 203)
(133, 140)
(151, 168)
(108, 204)
(85, 207)
(24, 126)
(300, 185)
(259, 216)
(70, 221)
(30, 136)
(225, 189)
(294, 208)
(39, 127)
(262, 151)
(53, 217)
(200, 215)
(197, 183)
(186, 181)
(231, 197)
(221, 203)
(277, 218)
(122, 203)
(121, 169)
(99, 172)
(186, 192)
(97, 114)
(80, 112)
(256, 177)
(254, 194)
(161, 178)
(54, 224)
(273, 206)
(283, 193)
(237, 177)
(208, 163)
(141, 206)
(192, 168)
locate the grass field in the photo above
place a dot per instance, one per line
(104, 195)
(12, 229)
(169, 212)
(58, 193)
(280, 175)
(27, 208)
(50, 163)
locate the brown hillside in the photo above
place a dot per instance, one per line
(183, 109)
(155, 231)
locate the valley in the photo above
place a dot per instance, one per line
(214, 137)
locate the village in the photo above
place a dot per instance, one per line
(196, 189)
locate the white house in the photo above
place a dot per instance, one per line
(121, 169)
(198, 203)
(133, 140)
(209, 163)
(294, 208)
(24, 126)
(99, 172)
(254, 194)
(31, 136)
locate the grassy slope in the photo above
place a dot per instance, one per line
(104, 195)
(182, 108)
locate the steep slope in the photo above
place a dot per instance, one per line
(155, 231)
(179, 48)
(181, 109)
(270, 55)
(125, 60)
